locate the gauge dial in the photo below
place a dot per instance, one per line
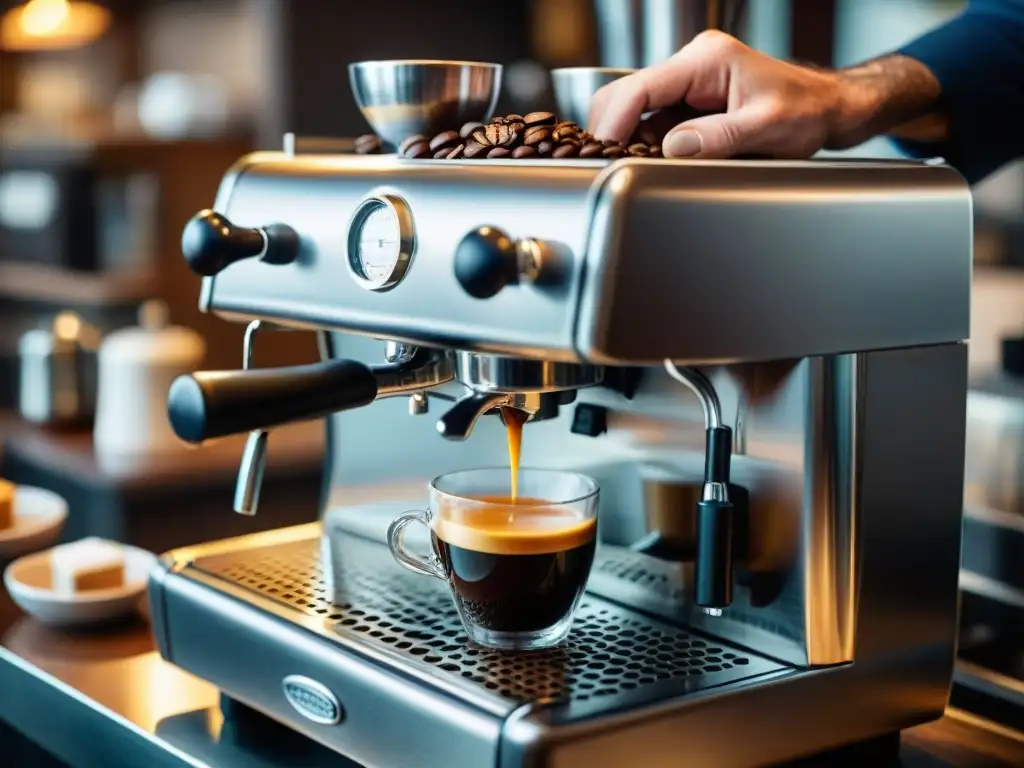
(380, 242)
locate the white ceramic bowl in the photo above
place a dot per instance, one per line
(28, 582)
(39, 515)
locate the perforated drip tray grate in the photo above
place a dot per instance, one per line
(369, 599)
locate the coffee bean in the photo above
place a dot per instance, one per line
(566, 150)
(418, 150)
(522, 152)
(536, 135)
(639, 150)
(496, 134)
(615, 151)
(610, 143)
(500, 135)
(368, 144)
(441, 154)
(475, 149)
(403, 148)
(516, 126)
(456, 153)
(539, 118)
(565, 132)
(591, 149)
(655, 151)
(480, 137)
(469, 129)
(566, 124)
(573, 142)
(513, 118)
(445, 140)
(545, 148)
(498, 152)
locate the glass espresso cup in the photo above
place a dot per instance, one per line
(516, 568)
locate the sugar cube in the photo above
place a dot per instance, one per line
(6, 504)
(88, 564)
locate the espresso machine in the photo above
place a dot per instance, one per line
(813, 314)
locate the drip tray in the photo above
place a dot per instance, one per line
(368, 600)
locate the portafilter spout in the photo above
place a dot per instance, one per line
(536, 387)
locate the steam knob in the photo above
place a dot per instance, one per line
(485, 262)
(211, 243)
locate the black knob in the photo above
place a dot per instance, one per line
(217, 403)
(485, 262)
(211, 243)
(1013, 357)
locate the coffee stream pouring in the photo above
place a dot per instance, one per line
(597, 297)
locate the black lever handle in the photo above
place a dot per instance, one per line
(211, 243)
(713, 570)
(217, 403)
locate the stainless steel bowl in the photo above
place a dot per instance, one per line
(404, 97)
(575, 86)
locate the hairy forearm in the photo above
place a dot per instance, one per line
(894, 95)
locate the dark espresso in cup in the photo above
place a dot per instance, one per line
(515, 566)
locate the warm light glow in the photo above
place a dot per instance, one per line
(44, 17)
(66, 326)
(52, 24)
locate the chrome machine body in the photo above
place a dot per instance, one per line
(821, 307)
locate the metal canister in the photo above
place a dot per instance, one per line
(57, 377)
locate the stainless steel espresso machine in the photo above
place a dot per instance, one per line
(813, 312)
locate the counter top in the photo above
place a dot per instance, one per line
(107, 698)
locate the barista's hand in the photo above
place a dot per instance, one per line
(765, 106)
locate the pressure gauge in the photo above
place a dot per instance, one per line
(380, 242)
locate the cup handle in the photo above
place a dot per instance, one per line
(429, 566)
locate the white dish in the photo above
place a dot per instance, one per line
(28, 581)
(39, 515)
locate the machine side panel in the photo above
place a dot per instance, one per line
(385, 721)
(748, 261)
(317, 196)
(910, 497)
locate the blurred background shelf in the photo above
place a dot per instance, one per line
(41, 283)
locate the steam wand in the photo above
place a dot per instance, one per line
(713, 567)
(254, 457)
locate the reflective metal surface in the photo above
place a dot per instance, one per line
(491, 373)
(459, 420)
(635, 233)
(405, 97)
(639, 33)
(421, 369)
(575, 86)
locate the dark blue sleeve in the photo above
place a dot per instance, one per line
(978, 59)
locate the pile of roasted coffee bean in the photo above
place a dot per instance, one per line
(536, 135)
